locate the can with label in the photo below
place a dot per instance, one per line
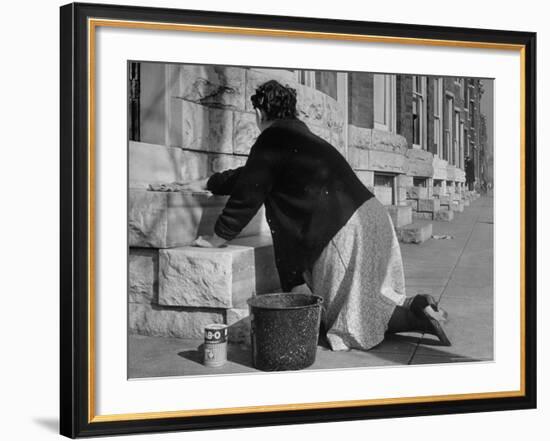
(215, 345)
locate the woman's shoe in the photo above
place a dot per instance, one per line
(431, 315)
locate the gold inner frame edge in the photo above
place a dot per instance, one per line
(92, 24)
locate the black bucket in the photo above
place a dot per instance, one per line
(284, 330)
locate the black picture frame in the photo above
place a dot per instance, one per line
(76, 416)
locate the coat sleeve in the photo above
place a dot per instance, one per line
(254, 182)
(223, 183)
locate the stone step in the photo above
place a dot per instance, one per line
(445, 215)
(429, 205)
(413, 203)
(187, 323)
(217, 277)
(153, 320)
(444, 200)
(170, 219)
(415, 233)
(457, 206)
(401, 215)
(200, 286)
(423, 215)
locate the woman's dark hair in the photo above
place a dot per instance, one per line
(276, 100)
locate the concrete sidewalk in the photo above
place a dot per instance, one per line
(457, 271)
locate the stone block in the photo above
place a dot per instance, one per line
(171, 219)
(429, 205)
(401, 215)
(444, 215)
(438, 191)
(358, 158)
(217, 277)
(413, 203)
(419, 163)
(415, 233)
(334, 114)
(420, 155)
(460, 175)
(147, 219)
(156, 164)
(440, 168)
(154, 320)
(359, 137)
(238, 321)
(143, 275)
(451, 172)
(456, 206)
(388, 141)
(213, 85)
(337, 139)
(387, 161)
(404, 181)
(311, 105)
(197, 127)
(401, 195)
(417, 193)
(444, 200)
(456, 197)
(423, 215)
(245, 132)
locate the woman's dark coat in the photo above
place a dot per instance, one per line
(308, 188)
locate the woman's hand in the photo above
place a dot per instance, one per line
(198, 185)
(213, 241)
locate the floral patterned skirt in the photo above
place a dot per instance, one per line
(360, 276)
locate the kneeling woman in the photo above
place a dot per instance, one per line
(329, 231)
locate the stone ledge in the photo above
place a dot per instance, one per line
(420, 163)
(172, 219)
(217, 277)
(153, 320)
(415, 233)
